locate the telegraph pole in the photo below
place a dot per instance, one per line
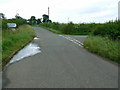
(48, 11)
(68, 19)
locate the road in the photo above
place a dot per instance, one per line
(62, 64)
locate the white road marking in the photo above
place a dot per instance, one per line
(72, 40)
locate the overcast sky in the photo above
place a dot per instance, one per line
(77, 11)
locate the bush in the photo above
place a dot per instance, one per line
(15, 20)
(4, 24)
(111, 30)
(69, 28)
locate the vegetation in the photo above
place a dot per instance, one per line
(13, 41)
(103, 46)
(18, 21)
(70, 28)
(103, 40)
(110, 29)
(32, 20)
(46, 18)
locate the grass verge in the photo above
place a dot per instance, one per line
(103, 47)
(52, 30)
(13, 41)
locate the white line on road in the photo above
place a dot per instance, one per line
(73, 40)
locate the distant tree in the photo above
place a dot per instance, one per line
(49, 21)
(39, 21)
(18, 17)
(32, 20)
(2, 16)
(45, 18)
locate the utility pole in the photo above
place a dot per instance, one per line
(48, 12)
(68, 20)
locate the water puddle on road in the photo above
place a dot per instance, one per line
(29, 50)
(36, 38)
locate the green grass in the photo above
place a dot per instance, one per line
(54, 31)
(13, 41)
(51, 29)
(103, 47)
(0, 48)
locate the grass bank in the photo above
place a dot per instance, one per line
(104, 47)
(13, 41)
(50, 29)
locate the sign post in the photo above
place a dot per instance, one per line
(12, 25)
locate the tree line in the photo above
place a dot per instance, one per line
(20, 20)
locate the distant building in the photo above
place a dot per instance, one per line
(119, 10)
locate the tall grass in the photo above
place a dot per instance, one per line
(12, 41)
(103, 46)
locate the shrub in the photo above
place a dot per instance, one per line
(111, 30)
(69, 28)
(15, 20)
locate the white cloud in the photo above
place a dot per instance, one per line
(60, 10)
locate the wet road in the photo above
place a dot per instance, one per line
(63, 63)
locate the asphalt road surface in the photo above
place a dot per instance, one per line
(63, 63)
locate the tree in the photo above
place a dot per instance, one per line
(45, 18)
(39, 21)
(18, 17)
(2, 16)
(32, 20)
(20, 20)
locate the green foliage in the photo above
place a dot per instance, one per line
(54, 27)
(84, 29)
(45, 18)
(4, 24)
(2, 16)
(103, 46)
(12, 41)
(111, 30)
(14, 20)
(32, 20)
(69, 28)
(39, 21)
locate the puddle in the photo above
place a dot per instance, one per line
(29, 50)
(36, 38)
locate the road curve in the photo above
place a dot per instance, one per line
(62, 64)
